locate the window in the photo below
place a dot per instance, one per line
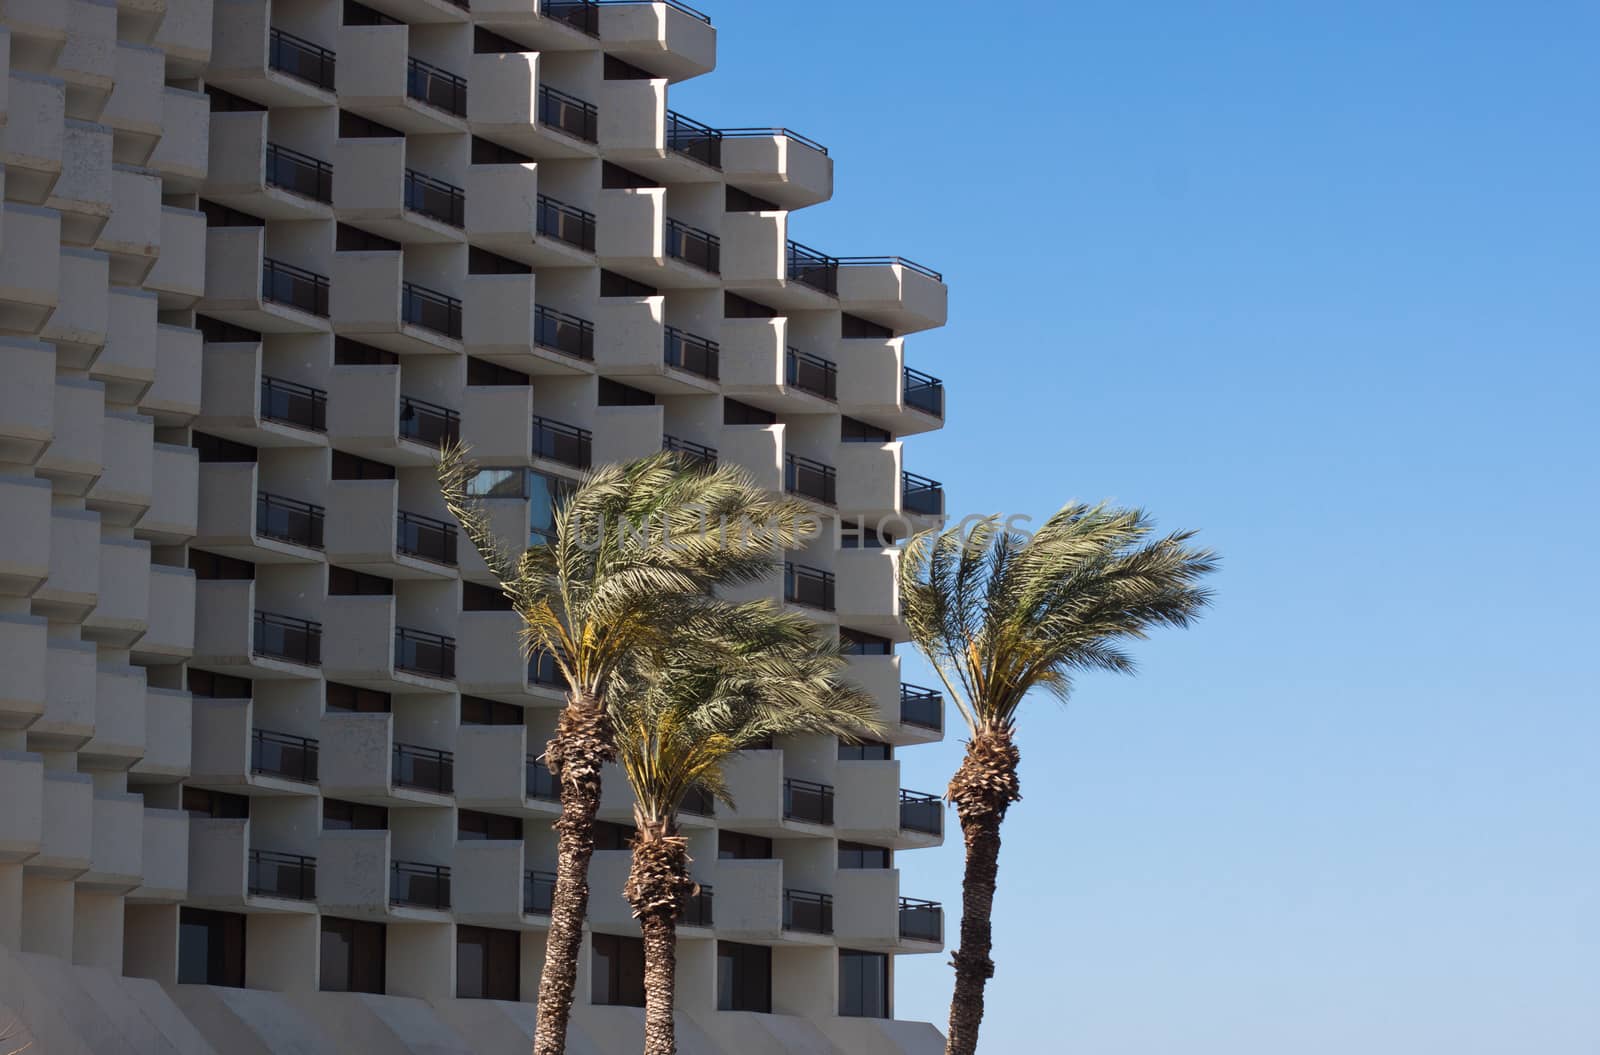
(737, 846)
(216, 805)
(488, 964)
(358, 14)
(863, 984)
(499, 483)
(483, 262)
(215, 331)
(612, 836)
(353, 353)
(615, 285)
(341, 816)
(744, 977)
(853, 431)
(616, 972)
(615, 177)
(210, 948)
(354, 467)
(219, 686)
(218, 215)
(737, 307)
(475, 710)
(861, 643)
(216, 449)
(743, 201)
(737, 413)
(855, 326)
(870, 751)
(227, 102)
(342, 582)
(476, 597)
(487, 43)
(853, 535)
(617, 394)
(347, 239)
(472, 825)
(862, 855)
(617, 70)
(352, 956)
(354, 126)
(215, 566)
(488, 152)
(544, 491)
(351, 699)
(484, 373)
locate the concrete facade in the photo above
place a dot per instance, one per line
(258, 260)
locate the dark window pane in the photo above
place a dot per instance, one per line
(617, 971)
(350, 698)
(338, 815)
(739, 846)
(863, 984)
(744, 977)
(488, 964)
(210, 948)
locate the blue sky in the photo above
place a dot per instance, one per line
(1321, 281)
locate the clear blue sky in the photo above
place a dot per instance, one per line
(1321, 280)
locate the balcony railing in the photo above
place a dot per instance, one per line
(566, 223)
(694, 246)
(923, 708)
(289, 520)
(423, 768)
(300, 59)
(421, 652)
(538, 892)
(809, 586)
(428, 423)
(282, 755)
(806, 800)
(808, 911)
(676, 5)
(921, 920)
(299, 173)
(541, 783)
(809, 479)
(568, 113)
(699, 802)
(417, 885)
(924, 392)
(295, 404)
(560, 442)
(425, 537)
(435, 198)
(811, 373)
(291, 876)
(920, 495)
(693, 139)
(921, 812)
(698, 909)
(583, 15)
(881, 261)
(542, 670)
(294, 287)
(816, 269)
(695, 355)
(285, 637)
(438, 88)
(695, 453)
(563, 333)
(430, 310)
(764, 133)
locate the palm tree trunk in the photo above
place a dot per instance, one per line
(658, 884)
(982, 789)
(660, 981)
(584, 741)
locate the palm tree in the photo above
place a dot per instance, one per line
(681, 715)
(999, 614)
(637, 550)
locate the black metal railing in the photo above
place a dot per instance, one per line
(289, 520)
(816, 269)
(923, 391)
(806, 800)
(694, 246)
(699, 908)
(920, 495)
(285, 637)
(560, 442)
(540, 783)
(810, 479)
(418, 885)
(808, 911)
(697, 453)
(435, 198)
(431, 310)
(438, 88)
(583, 15)
(699, 802)
(294, 286)
(764, 133)
(300, 58)
(299, 173)
(921, 812)
(689, 352)
(283, 755)
(921, 707)
(693, 139)
(423, 652)
(881, 261)
(809, 586)
(426, 537)
(542, 670)
(538, 892)
(568, 114)
(423, 768)
(292, 876)
(566, 223)
(921, 920)
(676, 5)
(428, 423)
(811, 373)
(563, 333)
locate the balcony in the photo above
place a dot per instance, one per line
(25, 524)
(538, 892)
(699, 909)
(924, 392)
(283, 756)
(810, 267)
(869, 590)
(425, 654)
(808, 478)
(695, 454)
(432, 86)
(165, 858)
(377, 185)
(379, 79)
(122, 614)
(288, 639)
(31, 141)
(490, 883)
(693, 246)
(416, 885)
(375, 769)
(27, 400)
(29, 283)
(375, 303)
(179, 274)
(750, 907)
(501, 211)
(540, 783)
(173, 399)
(807, 801)
(24, 653)
(168, 717)
(371, 646)
(921, 920)
(300, 59)
(371, 417)
(126, 364)
(233, 636)
(892, 291)
(559, 442)
(72, 588)
(782, 165)
(428, 423)
(807, 586)
(922, 708)
(567, 224)
(423, 769)
(669, 38)
(22, 788)
(426, 538)
(238, 519)
(807, 911)
(921, 497)
(249, 288)
(568, 114)
(291, 877)
(185, 36)
(811, 373)
(229, 750)
(490, 659)
(242, 403)
(692, 354)
(83, 194)
(757, 449)
(180, 156)
(289, 520)
(696, 141)
(134, 111)
(278, 69)
(921, 813)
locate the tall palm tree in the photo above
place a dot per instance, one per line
(680, 716)
(637, 550)
(999, 614)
